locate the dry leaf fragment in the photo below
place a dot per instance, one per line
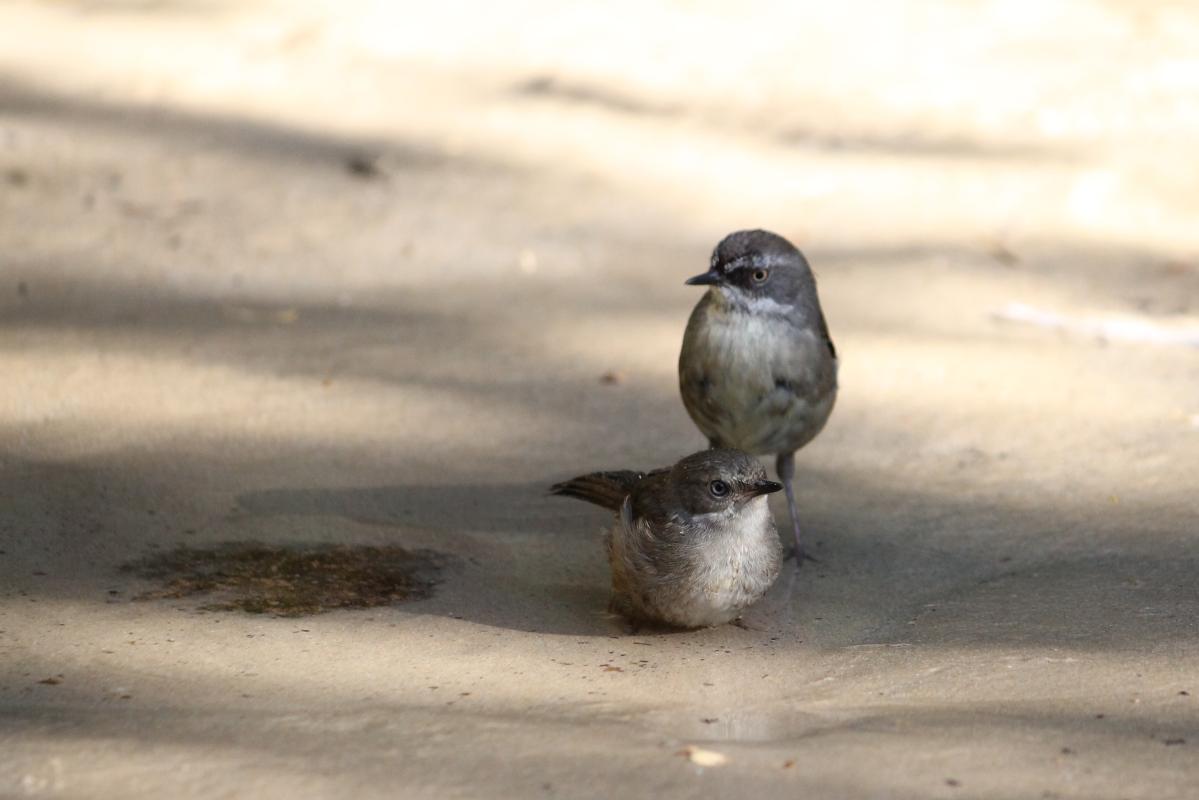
(703, 758)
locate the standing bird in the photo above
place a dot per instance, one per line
(758, 370)
(694, 544)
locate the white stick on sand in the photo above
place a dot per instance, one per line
(1115, 329)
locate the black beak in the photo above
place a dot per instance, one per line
(709, 278)
(764, 487)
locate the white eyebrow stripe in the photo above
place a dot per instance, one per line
(755, 260)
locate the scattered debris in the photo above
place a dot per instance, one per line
(702, 757)
(1171, 742)
(54, 680)
(290, 582)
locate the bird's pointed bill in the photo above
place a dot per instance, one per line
(764, 487)
(709, 278)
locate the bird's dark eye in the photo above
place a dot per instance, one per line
(718, 488)
(761, 275)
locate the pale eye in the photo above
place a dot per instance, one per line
(718, 488)
(760, 275)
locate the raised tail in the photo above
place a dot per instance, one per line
(607, 489)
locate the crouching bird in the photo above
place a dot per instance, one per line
(693, 545)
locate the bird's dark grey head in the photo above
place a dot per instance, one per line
(716, 480)
(759, 268)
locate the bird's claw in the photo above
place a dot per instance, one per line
(804, 555)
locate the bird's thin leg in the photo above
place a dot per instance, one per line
(785, 466)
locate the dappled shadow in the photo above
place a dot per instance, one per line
(1061, 748)
(900, 565)
(531, 562)
(902, 581)
(491, 357)
(492, 508)
(290, 144)
(495, 349)
(902, 144)
(234, 329)
(1106, 275)
(1140, 278)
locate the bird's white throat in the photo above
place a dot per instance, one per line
(733, 298)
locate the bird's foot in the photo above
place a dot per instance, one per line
(804, 555)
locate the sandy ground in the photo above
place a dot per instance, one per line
(351, 272)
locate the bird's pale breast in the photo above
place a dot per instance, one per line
(756, 381)
(724, 565)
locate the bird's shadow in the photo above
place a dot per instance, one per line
(525, 508)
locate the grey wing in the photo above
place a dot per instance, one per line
(805, 388)
(654, 530)
(807, 370)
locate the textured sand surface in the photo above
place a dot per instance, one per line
(352, 272)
